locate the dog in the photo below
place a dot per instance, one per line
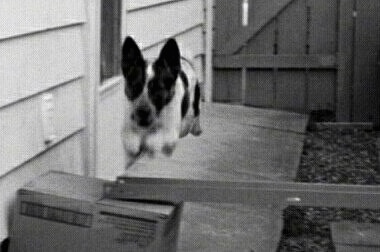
(162, 100)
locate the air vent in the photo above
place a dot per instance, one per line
(135, 230)
(55, 214)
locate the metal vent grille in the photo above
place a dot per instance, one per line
(135, 230)
(55, 214)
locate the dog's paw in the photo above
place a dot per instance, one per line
(161, 142)
(168, 149)
(153, 143)
(132, 143)
(196, 129)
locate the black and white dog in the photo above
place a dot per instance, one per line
(163, 100)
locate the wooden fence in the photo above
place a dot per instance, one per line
(300, 55)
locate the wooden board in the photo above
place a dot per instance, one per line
(356, 234)
(292, 29)
(323, 26)
(20, 17)
(257, 117)
(189, 41)
(285, 61)
(290, 90)
(227, 227)
(110, 152)
(366, 90)
(227, 85)
(136, 5)
(345, 49)
(265, 12)
(225, 24)
(344, 125)
(111, 20)
(169, 20)
(227, 152)
(260, 88)
(263, 41)
(41, 61)
(22, 129)
(347, 248)
(321, 90)
(349, 236)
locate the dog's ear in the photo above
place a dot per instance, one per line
(133, 67)
(131, 55)
(169, 59)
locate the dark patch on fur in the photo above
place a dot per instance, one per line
(184, 79)
(197, 98)
(160, 92)
(186, 98)
(166, 70)
(185, 103)
(5, 245)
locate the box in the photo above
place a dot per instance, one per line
(64, 212)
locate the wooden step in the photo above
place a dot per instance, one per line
(353, 236)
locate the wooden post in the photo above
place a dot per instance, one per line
(243, 76)
(345, 60)
(92, 81)
(208, 50)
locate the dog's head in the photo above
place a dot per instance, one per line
(159, 95)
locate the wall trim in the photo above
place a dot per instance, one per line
(209, 33)
(23, 98)
(110, 84)
(43, 30)
(91, 40)
(198, 25)
(135, 9)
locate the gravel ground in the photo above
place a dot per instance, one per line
(348, 156)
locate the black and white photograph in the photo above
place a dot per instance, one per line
(190, 125)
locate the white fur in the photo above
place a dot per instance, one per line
(170, 122)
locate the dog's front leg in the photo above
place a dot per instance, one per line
(132, 144)
(163, 140)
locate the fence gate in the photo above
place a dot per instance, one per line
(283, 54)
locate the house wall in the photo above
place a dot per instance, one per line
(42, 52)
(53, 47)
(150, 23)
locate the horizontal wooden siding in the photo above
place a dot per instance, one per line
(42, 51)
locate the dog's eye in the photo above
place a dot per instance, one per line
(135, 76)
(150, 85)
(134, 88)
(168, 82)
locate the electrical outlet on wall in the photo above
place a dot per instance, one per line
(47, 116)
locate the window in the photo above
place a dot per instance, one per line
(110, 38)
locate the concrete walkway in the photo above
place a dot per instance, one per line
(240, 144)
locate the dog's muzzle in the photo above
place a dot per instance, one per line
(143, 116)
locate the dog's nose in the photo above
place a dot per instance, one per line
(143, 116)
